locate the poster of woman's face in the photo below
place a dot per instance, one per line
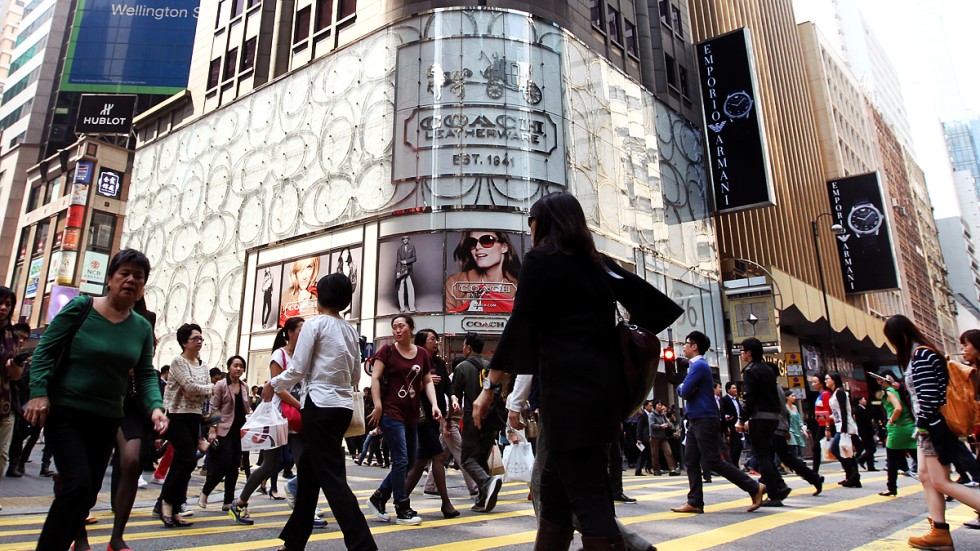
(482, 268)
(268, 286)
(347, 261)
(410, 272)
(299, 286)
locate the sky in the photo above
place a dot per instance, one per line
(934, 46)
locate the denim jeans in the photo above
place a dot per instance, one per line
(402, 439)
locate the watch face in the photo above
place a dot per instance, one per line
(737, 105)
(864, 219)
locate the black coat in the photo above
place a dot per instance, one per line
(563, 330)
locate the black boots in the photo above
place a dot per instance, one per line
(552, 537)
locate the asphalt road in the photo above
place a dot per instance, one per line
(841, 518)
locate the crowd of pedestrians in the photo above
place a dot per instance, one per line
(90, 386)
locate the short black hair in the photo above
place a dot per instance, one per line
(131, 256)
(474, 341)
(215, 371)
(184, 333)
(21, 327)
(423, 335)
(729, 385)
(409, 321)
(700, 340)
(237, 357)
(334, 291)
(165, 369)
(753, 346)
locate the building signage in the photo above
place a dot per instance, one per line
(105, 114)
(33, 277)
(79, 194)
(83, 172)
(865, 249)
(109, 184)
(484, 325)
(92, 278)
(134, 47)
(76, 215)
(484, 108)
(70, 240)
(737, 151)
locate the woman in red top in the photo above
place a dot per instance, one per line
(400, 374)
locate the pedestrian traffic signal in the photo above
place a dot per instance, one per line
(668, 354)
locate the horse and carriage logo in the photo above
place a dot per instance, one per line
(499, 75)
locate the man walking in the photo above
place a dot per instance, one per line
(730, 410)
(643, 463)
(866, 433)
(760, 415)
(477, 443)
(702, 434)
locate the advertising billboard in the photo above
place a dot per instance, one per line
(92, 278)
(139, 48)
(734, 133)
(103, 114)
(865, 249)
(482, 268)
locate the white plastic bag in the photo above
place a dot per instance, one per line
(265, 429)
(846, 446)
(825, 450)
(518, 459)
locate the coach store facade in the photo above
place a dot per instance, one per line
(408, 161)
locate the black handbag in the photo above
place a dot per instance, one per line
(641, 357)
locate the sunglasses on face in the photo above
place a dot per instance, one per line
(485, 241)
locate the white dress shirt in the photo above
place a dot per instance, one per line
(327, 359)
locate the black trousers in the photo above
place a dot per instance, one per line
(761, 432)
(183, 434)
(895, 461)
(81, 443)
(323, 461)
(577, 481)
(702, 441)
(615, 468)
(791, 460)
(225, 461)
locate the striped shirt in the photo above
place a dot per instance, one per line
(928, 376)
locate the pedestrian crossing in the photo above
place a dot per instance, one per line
(852, 519)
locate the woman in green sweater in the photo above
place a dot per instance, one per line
(901, 435)
(79, 402)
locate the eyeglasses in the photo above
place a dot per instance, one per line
(688, 343)
(486, 241)
(196, 339)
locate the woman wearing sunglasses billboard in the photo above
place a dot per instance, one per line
(487, 278)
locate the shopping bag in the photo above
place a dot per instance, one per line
(356, 427)
(265, 429)
(846, 446)
(518, 460)
(825, 450)
(495, 461)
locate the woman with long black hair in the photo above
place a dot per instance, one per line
(841, 411)
(230, 398)
(927, 376)
(562, 330)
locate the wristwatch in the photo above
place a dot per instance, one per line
(865, 221)
(488, 385)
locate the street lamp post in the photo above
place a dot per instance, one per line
(838, 230)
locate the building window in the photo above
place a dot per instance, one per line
(40, 238)
(671, 68)
(595, 9)
(675, 20)
(629, 37)
(237, 7)
(324, 14)
(100, 231)
(302, 29)
(230, 58)
(665, 12)
(22, 246)
(253, 3)
(34, 199)
(214, 72)
(222, 16)
(52, 190)
(347, 9)
(612, 21)
(685, 90)
(248, 55)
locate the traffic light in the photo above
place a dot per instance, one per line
(669, 362)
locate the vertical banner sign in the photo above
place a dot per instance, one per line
(866, 258)
(737, 151)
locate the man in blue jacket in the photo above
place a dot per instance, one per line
(703, 431)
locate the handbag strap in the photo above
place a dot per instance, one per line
(68, 337)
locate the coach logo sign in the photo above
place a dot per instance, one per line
(485, 325)
(105, 114)
(735, 139)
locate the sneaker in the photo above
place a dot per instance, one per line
(240, 515)
(493, 488)
(142, 483)
(185, 511)
(319, 523)
(291, 492)
(377, 507)
(407, 516)
(157, 481)
(320, 513)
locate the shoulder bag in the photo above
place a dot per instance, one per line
(293, 416)
(65, 349)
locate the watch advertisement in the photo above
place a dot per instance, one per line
(733, 126)
(864, 247)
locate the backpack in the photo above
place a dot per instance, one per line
(962, 411)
